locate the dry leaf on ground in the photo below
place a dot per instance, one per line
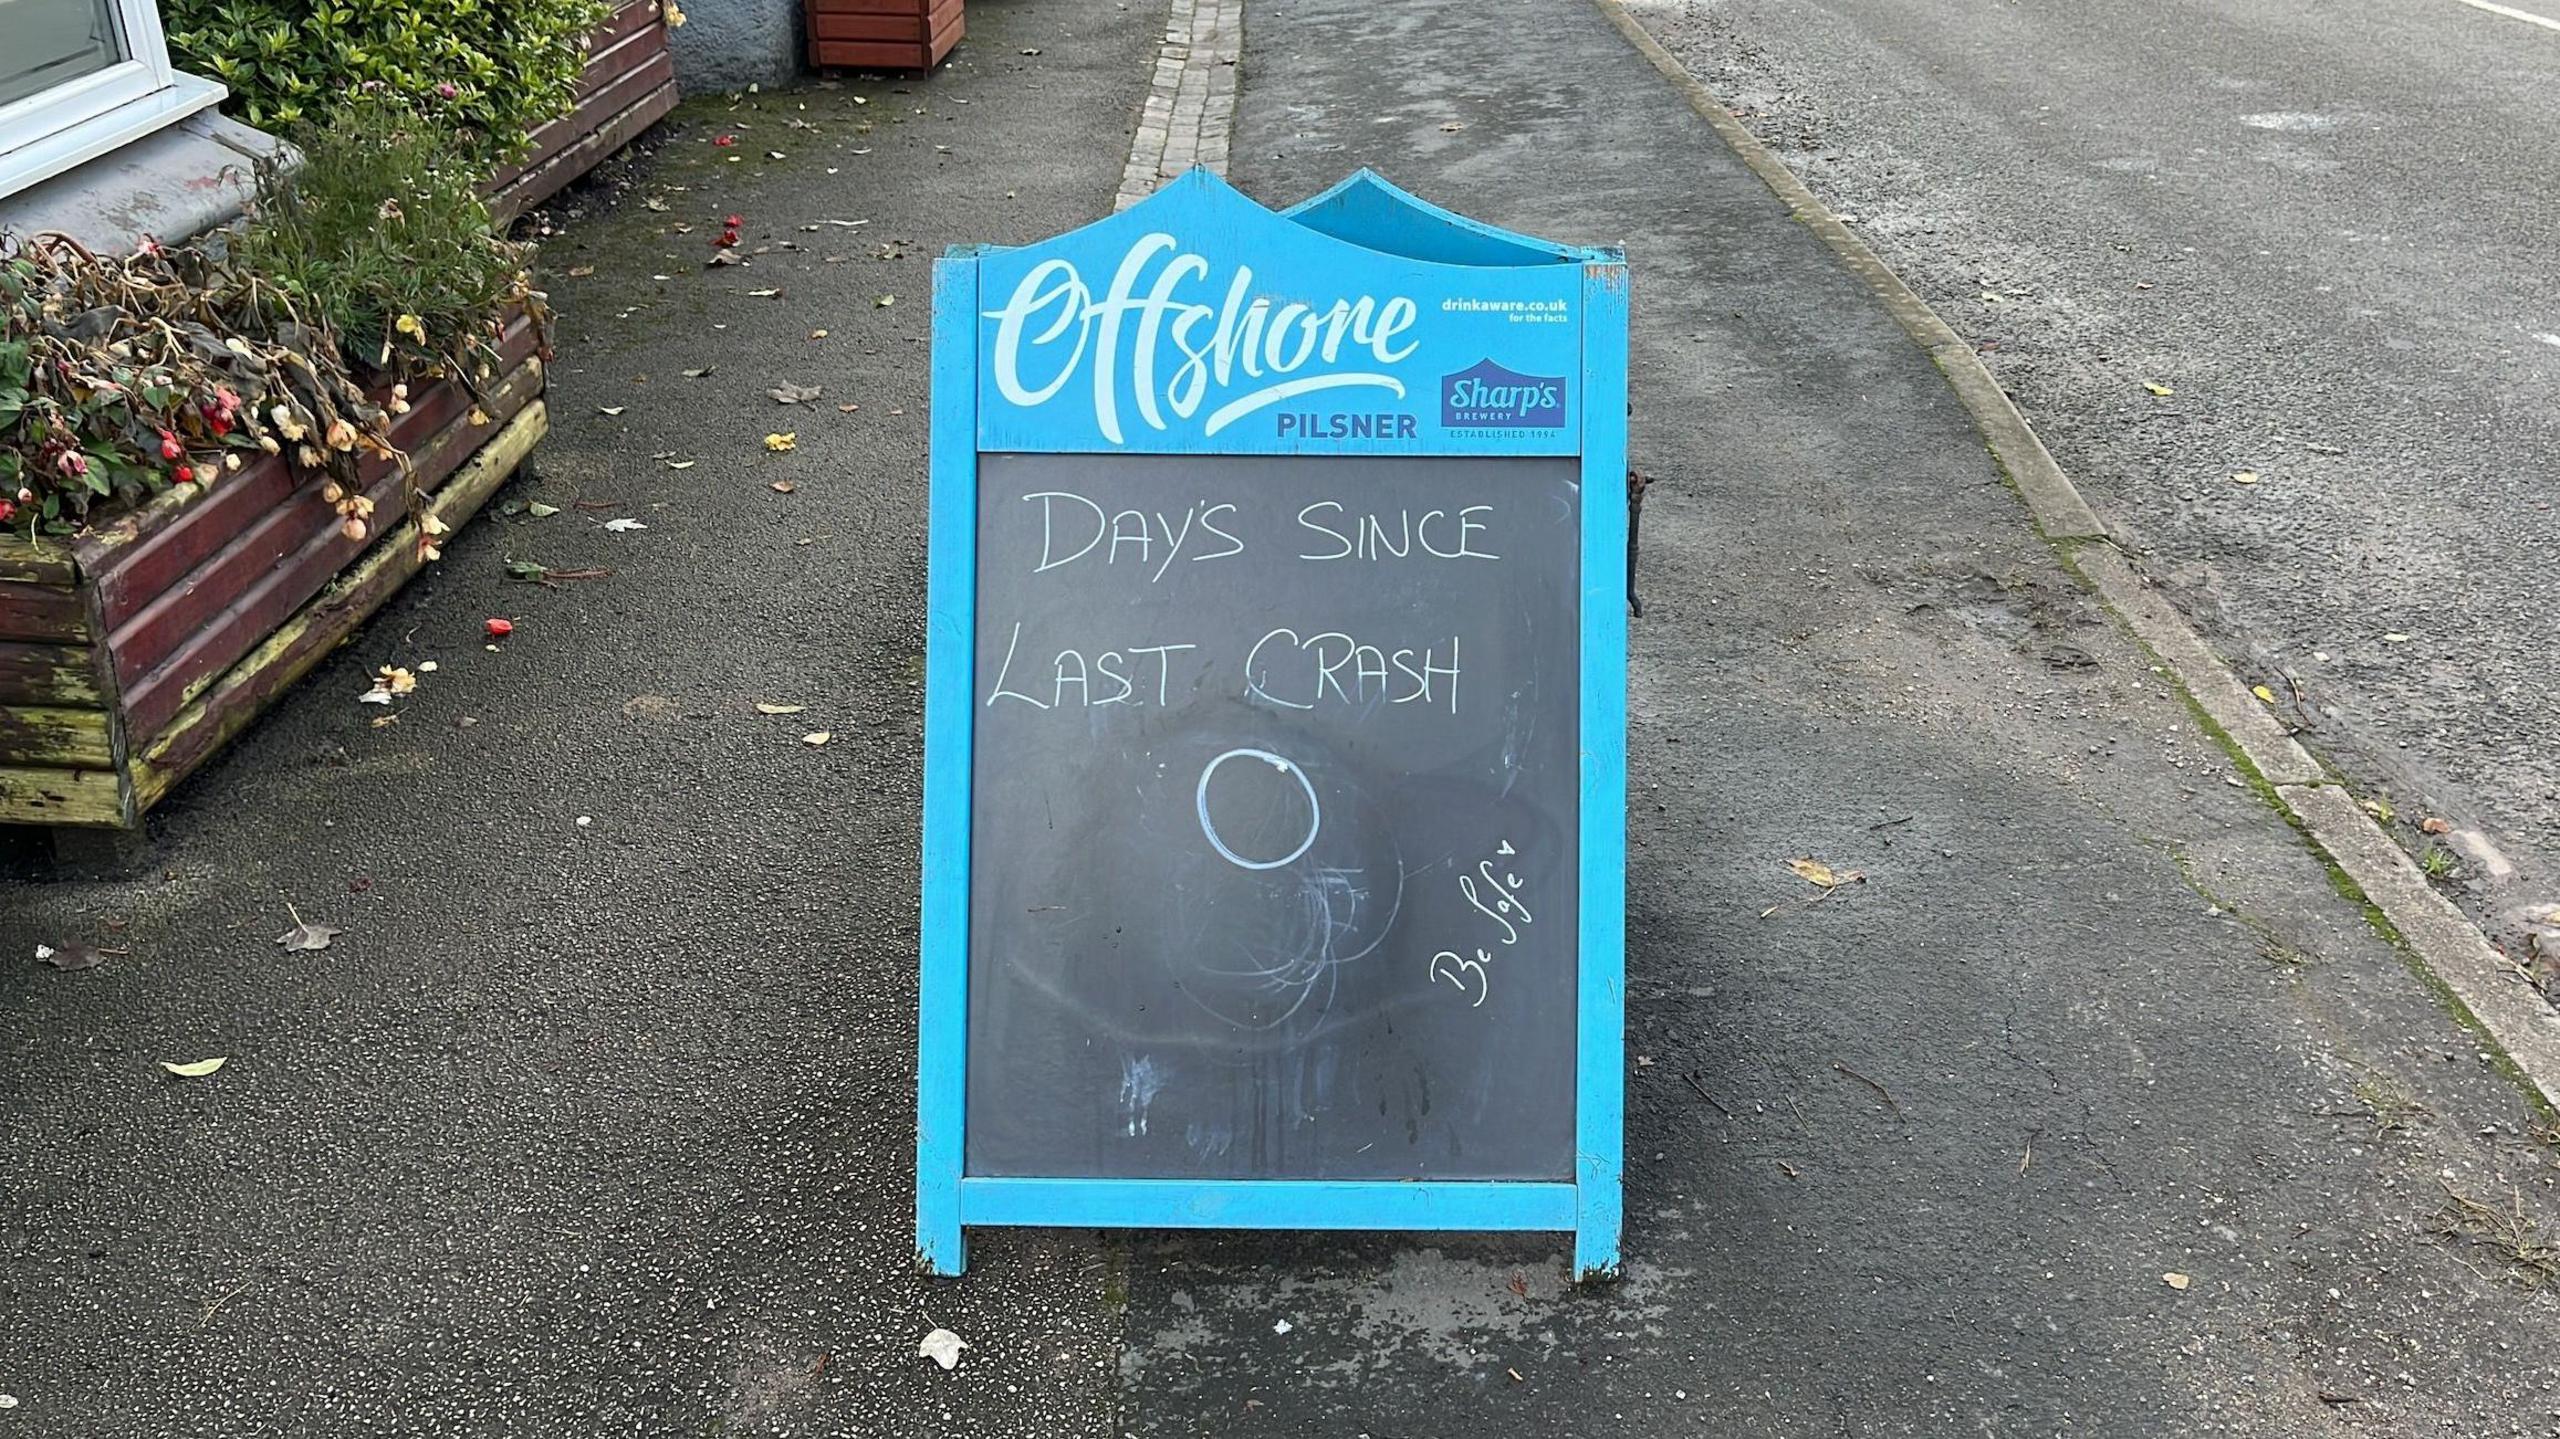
(942, 1347)
(196, 1070)
(770, 709)
(71, 956)
(1816, 872)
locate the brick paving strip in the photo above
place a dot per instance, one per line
(1190, 109)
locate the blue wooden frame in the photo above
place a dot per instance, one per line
(1363, 232)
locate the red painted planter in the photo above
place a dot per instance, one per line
(129, 653)
(883, 34)
(630, 83)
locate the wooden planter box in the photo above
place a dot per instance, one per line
(883, 34)
(130, 653)
(629, 85)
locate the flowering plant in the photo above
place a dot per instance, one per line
(124, 377)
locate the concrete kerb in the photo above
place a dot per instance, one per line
(2478, 983)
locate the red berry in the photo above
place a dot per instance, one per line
(170, 449)
(500, 629)
(734, 221)
(725, 141)
(184, 474)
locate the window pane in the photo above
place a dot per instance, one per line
(44, 43)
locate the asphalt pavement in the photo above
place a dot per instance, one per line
(2326, 233)
(2092, 1108)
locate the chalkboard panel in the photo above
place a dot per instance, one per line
(1273, 862)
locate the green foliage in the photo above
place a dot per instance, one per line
(381, 235)
(295, 336)
(122, 377)
(495, 69)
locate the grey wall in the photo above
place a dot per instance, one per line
(731, 44)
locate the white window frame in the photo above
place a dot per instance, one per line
(77, 121)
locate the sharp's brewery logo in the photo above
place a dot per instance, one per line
(1485, 396)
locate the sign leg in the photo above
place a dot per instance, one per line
(1595, 1248)
(941, 1250)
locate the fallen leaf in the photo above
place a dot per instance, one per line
(817, 737)
(2244, 477)
(885, 301)
(2380, 809)
(817, 334)
(1030, 49)
(771, 709)
(198, 1070)
(698, 374)
(1816, 872)
(682, 464)
(611, 409)
(787, 393)
(847, 409)
(541, 511)
(306, 935)
(71, 956)
(1453, 127)
(2157, 388)
(2395, 638)
(624, 526)
(2263, 693)
(782, 487)
(766, 294)
(942, 1347)
(2176, 1281)
(2432, 825)
(580, 272)
(779, 443)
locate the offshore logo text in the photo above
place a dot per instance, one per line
(1163, 339)
(1486, 396)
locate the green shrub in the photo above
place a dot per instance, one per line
(381, 235)
(495, 68)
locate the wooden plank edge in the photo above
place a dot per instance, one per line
(226, 707)
(56, 737)
(36, 562)
(623, 92)
(555, 174)
(63, 675)
(83, 798)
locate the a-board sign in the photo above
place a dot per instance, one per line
(1275, 696)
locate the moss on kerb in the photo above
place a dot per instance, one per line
(1115, 1279)
(2375, 917)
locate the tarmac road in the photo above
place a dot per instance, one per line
(2333, 230)
(597, 1119)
